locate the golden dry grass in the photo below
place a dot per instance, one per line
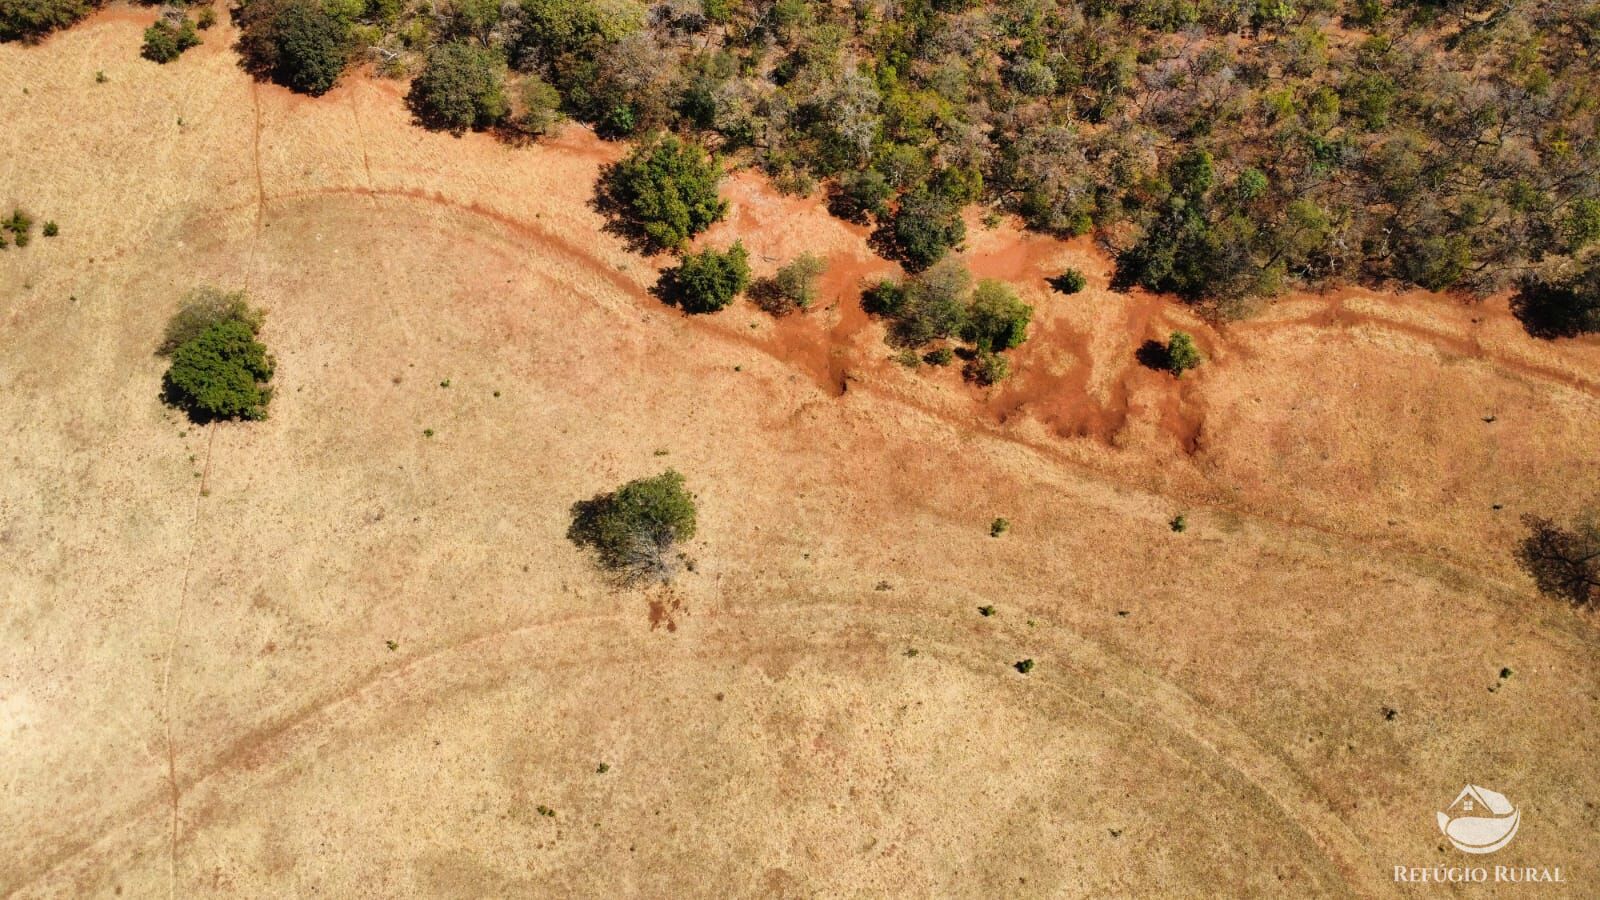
(197, 698)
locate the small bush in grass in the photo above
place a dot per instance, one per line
(1182, 354)
(20, 224)
(1179, 524)
(706, 281)
(165, 40)
(999, 527)
(51, 229)
(1069, 282)
(635, 530)
(943, 356)
(1024, 666)
(986, 611)
(219, 370)
(986, 369)
(207, 18)
(790, 288)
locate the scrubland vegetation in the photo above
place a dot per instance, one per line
(1224, 150)
(942, 304)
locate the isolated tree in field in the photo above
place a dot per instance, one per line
(461, 87)
(1560, 308)
(707, 281)
(790, 288)
(297, 43)
(635, 530)
(1563, 562)
(165, 41)
(218, 369)
(1182, 354)
(1069, 282)
(664, 193)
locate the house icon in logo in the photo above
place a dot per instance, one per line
(1480, 820)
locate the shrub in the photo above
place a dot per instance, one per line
(165, 41)
(1563, 562)
(297, 43)
(664, 193)
(996, 320)
(461, 87)
(1069, 282)
(635, 529)
(996, 528)
(219, 370)
(51, 229)
(29, 20)
(20, 224)
(792, 287)
(860, 193)
(1182, 355)
(1560, 308)
(925, 307)
(1024, 666)
(536, 107)
(706, 281)
(986, 369)
(940, 357)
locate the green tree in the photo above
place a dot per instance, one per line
(986, 369)
(925, 227)
(30, 20)
(929, 306)
(1182, 354)
(996, 319)
(165, 41)
(296, 43)
(536, 107)
(707, 281)
(792, 287)
(1069, 282)
(461, 87)
(634, 531)
(664, 193)
(218, 369)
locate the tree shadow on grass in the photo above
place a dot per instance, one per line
(1154, 355)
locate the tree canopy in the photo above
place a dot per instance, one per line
(664, 192)
(218, 369)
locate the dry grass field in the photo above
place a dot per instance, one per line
(198, 696)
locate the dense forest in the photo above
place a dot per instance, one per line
(1222, 149)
